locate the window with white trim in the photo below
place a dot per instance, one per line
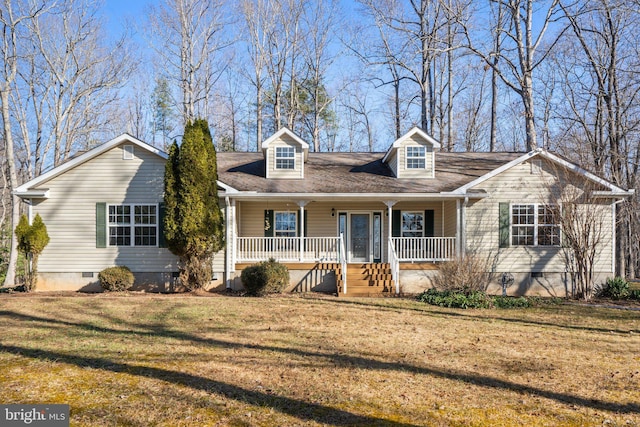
(415, 157)
(133, 225)
(412, 224)
(534, 224)
(285, 158)
(286, 224)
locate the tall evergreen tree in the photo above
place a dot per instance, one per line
(193, 226)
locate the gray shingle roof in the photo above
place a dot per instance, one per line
(356, 173)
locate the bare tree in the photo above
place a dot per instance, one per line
(14, 16)
(257, 17)
(189, 35)
(522, 51)
(584, 220)
(320, 21)
(358, 119)
(497, 49)
(601, 92)
(72, 78)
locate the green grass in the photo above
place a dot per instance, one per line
(176, 360)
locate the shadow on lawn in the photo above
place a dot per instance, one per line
(297, 408)
(282, 403)
(431, 310)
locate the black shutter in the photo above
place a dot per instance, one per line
(429, 223)
(101, 225)
(396, 223)
(269, 224)
(504, 224)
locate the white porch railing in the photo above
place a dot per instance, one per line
(288, 249)
(394, 263)
(424, 248)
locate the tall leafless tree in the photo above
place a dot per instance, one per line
(14, 17)
(188, 36)
(524, 47)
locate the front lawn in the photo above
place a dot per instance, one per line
(213, 360)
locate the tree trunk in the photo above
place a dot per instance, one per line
(13, 183)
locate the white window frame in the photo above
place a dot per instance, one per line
(536, 225)
(411, 157)
(412, 232)
(132, 225)
(287, 232)
(285, 158)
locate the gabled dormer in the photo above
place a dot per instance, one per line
(284, 155)
(412, 155)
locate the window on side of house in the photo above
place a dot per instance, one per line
(286, 224)
(416, 157)
(285, 158)
(133, 225)
(412, 224)
(534, 225)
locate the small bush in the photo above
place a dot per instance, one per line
(617, 288)
(511, 302)
(455, 299)
(268, 277)
(116, 279)
(465, 275)
(634, 294)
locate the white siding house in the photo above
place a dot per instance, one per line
(347, 223)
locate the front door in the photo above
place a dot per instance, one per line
(359, 237)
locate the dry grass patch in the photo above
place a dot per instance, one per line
(184, 360)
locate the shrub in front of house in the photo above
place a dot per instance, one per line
(616, 288)
(455, 299)
(116, 279)
(465, 275)
(511, 302)
(268, 277)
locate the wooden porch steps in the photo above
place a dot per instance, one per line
(369, 279)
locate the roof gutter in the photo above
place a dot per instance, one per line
(250, 195)
(32, 194)
(614, 194)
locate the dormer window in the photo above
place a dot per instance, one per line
(416, 157)
(285, 157)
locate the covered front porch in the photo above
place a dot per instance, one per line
(344, 234)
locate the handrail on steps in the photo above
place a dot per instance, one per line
(394, 263)
(343, 262)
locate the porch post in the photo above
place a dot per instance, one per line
(458, 231)
(230, 256)
(463, 227)
(390, 204)
(302, 204)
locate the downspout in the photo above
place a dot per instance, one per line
(614, 237)
(229, 258)
(30, 210)
(302, 204)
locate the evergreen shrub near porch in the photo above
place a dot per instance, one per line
(267, 277)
